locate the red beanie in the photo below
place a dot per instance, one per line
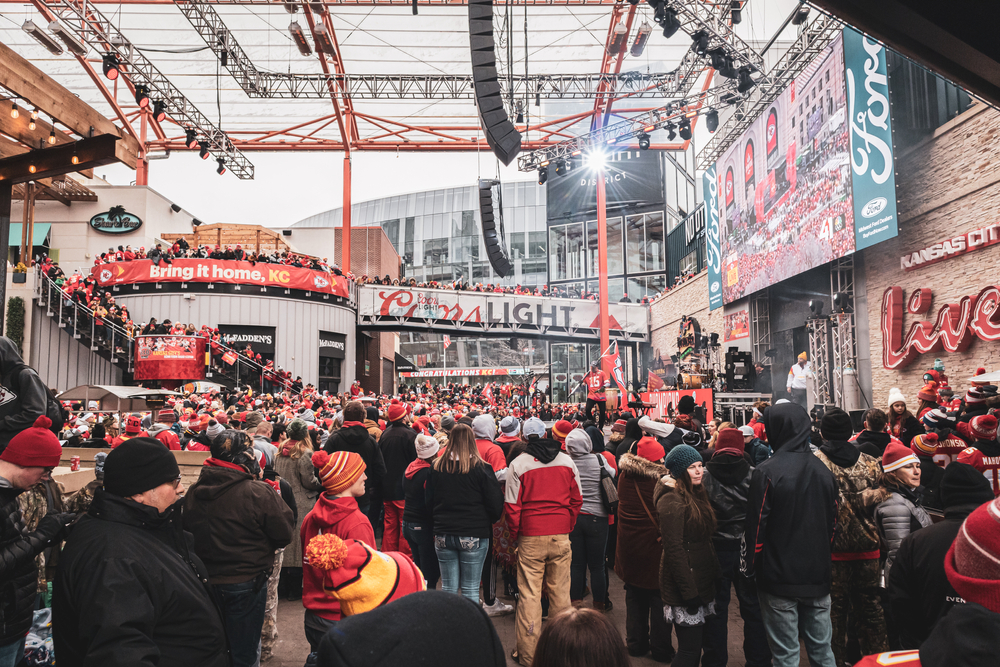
(133, 424)
(896, 456)
(396, 410)
(972, 564)
(929, 392)
(35, 447)
(730, 441)
(651, 450)
(984, 427)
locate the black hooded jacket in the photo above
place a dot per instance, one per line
(728, 486)
(23, 396)
(791, 512)
(872, 443)
(357, 439)
(543, 449)
(633, 434)
(968, 636)
(131, 591)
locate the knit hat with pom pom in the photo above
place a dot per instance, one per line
(396, 410)
(358, 576)
(339, 471)
(35, 447)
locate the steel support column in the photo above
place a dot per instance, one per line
(602, 260)
(345, 232)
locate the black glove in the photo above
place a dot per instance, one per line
(692, 605)
(54, 524)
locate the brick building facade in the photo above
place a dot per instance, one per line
(690, 298)
(947, 185)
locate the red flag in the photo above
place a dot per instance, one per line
(447, 341)
(655, 382)
(488, 394)
(229, 357)
(614, 364)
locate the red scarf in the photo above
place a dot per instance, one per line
(346, 424)
(219, 463)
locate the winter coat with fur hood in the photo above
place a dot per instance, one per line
(638, 550)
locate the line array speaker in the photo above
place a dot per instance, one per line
(493, 234)
(501, 134)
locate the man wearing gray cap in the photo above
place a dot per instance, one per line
(129, 589)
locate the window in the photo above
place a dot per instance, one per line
(566, 247)
(641, 286)
(644, 234)
(688, 263)
(828, 76)
(536, 244)
(517, 250)
(436, 251)
(616, 288)
(614, 241)
(391, 229)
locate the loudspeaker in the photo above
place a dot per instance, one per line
(858, 420)
(493, 234)
(501, 134)
(286, 232)
(739, 371)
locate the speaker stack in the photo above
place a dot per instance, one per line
(493, 235)
(501, 134)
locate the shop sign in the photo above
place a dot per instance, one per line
(954, 329)
(977, 239)
(461, 372)
(332, 345)
(238, 336)
(116, 221)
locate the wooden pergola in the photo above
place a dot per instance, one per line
(253, 237)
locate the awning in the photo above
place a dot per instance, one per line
(40, 235)
(404, 364)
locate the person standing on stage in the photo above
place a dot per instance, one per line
(796, 384)
(596, 381)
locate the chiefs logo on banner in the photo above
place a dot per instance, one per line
(772, 132)
(220, 271)
(169, 358)
(748, 163)
(729, 187)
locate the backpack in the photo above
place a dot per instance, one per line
(53, 409)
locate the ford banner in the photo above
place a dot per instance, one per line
(872, 165)
(712, 237)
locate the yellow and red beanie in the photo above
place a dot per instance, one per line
(924, 444)
(35, 447)
(562, 428)
(359, 577)
(339, 471)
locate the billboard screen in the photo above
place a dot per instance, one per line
(632, 178)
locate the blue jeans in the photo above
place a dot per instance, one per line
(243, 616)
(461, 560)
(755, 649)
(784, 618)
(421, 540)
(588, 539)
(12, 653)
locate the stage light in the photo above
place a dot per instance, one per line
(538, 97)
(195, 222)
(561, 168)
(641, 37)
(659, 11)
(543, 175)
(71, 41)
(745, 82)
(619, 39)
(43, 38)
(142, 96)
(671, 135)
(671, 24)
(816, 307)
(520, 113)
(643, 142)
(322, 39)
(736, 12)
(700, 42)
(222, 166)
(224, 58)
(291, 7)
(712, 120)
(190, 138)
(801, 14)
(718, 57)
(685, 129)
(840, 301)
(729, 68)
(299, 38)
(112, 67)
(14, 111)
(596, 159)
(159, 113)
(52, 136)
(203, 153)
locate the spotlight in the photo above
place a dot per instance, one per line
(561, 168)
(644, 142)
(299, 38)
(14, 111)
(32, 169)
(816, 307)
(596, 159)
(520, 113)
(538, 97)
(52, 136)
(840, 302)
(75, 159)
(801, 14)
(543, 175)
(671, 24)
(42, 38)
(712, 120)
(641, 37)
(659, 11)
(222, 166)
(718, 57)
(745, 83)
(71, 41)
(190, 138)
(700, 42)
(671, 135)
(159, 114)
(112, 67)
(203, 153)
(142, 96)
(685, 129)
(736, 11)
(290, 7)
(729, 68)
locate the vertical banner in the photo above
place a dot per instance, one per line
(873, 178)
(712, 237)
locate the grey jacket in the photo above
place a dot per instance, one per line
(580, 449)
(896, 518)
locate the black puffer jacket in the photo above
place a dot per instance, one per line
(18, 573)
(728, 486)
(23, 395)
(131, 592)
(791, 512)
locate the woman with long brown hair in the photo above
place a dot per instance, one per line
(294, 465)
(902, 423)
(465, 499)
(690, 567)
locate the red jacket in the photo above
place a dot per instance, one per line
(170, 439)
(910, 658)
(758, 429)
(492, 454)
(542, 498)
(341, 517)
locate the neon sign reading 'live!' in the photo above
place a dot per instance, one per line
(954, 329)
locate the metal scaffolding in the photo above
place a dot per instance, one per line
(760, 324)
(818, 329)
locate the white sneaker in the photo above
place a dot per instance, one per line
(498, 608)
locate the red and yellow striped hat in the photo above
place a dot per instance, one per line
(338, 471)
